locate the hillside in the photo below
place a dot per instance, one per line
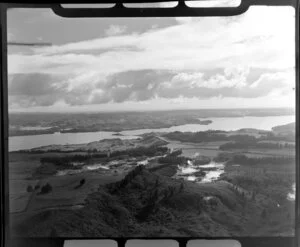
(146, 204)
(287, 128)
(112, 145)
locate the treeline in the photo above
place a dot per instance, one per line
(201, 136)
(39, 151)
(218, 135)
(19, 132)
(172, 160)
(244, 160)
(65, 159)
(270, 136)
(43, 190)
(176, 152)
(126, 180)
(208, 136)
(254, 144)
(68, 160)
(141, 151)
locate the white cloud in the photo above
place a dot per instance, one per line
(256, 39)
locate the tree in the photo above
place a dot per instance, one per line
(29, 188)
(181, 186)
(82, 182)
(46, 189)
(36, 187)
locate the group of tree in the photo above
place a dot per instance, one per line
(141, 151)
(176, 152)
(201, 136)
(126, 180)
(44, 189)
(63, 160)
(136, 152)
(244, 160)
(81, 183)
(218, 135)
(30, 188)
(172, 160)
(254, 144)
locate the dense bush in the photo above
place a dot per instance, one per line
(29, 188)
(246, 144)
(201, 136)
(82, 182)
(141, 151)
(127, 179)
(244, 160)
(46, 188)
(223, 157)
(203, 160)
(65, 159)
(210, 136)
(176, 152)
(172, 160)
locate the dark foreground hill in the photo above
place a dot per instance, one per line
(147, 204)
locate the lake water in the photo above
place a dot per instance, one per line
(227, 124)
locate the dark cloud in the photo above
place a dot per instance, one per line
(146, 84)
(31, 84)
(139, 85)
(138, 79)
(28, 90)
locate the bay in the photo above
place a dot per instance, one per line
(224, 123)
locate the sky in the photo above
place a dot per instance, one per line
(128, 64)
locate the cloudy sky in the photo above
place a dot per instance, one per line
(151, 63)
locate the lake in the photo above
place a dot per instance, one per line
(226, 123)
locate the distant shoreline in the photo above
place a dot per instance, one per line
(52, 131)
(286, 128)
(145, 122)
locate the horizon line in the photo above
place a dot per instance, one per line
(147, 110)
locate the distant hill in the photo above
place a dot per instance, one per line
(105, 145)
(287, 128)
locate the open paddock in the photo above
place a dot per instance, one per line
(18, 202)
(66, 190)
